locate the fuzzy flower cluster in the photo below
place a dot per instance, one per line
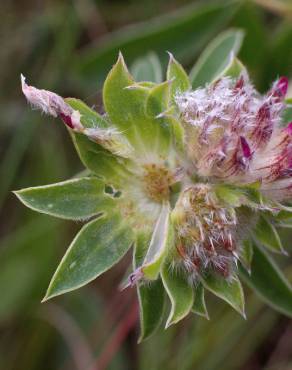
(234, 135)
(206, 231)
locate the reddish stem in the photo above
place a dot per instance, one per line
(117, 338)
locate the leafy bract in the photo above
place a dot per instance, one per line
(98, 246)
(230, 291)
(199, 306)
(268, 236)
(268, 282)
(180, 293)
(73, 199)
(151, 296)
(126, 105)
(178, 76)
(216, 57)
(239, 195)
(246, 254)
(161, 242)
(89, 117)
(100, 161)
(234, 68)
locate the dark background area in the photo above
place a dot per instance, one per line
(68, 47)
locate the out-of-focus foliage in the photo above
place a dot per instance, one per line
(69, 47)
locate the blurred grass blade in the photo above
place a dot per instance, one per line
(147, 68)
(180, 293)
(73, 199)
(268, 282)
(216, 57)
(183, 33)
(98, 246)
(151, 296)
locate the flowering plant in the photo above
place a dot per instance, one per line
(194, 179)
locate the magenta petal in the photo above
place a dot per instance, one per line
(288, 129)
(67, 120)
(281, 87)
(245, 147)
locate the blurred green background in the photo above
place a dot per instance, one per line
(68, 47)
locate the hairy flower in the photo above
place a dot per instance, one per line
(233, 134)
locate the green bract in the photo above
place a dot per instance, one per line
(143, 191)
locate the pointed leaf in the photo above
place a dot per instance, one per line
(239, 195)
(98, 246)
(180, 293)
(199, 306)
(151, 296)
(74, 199)
(268, 236)
(98, 130)
(125, 104)
(234, 69)
(161, 241)
(89, 118)
(158, 100)
(246, 254)
(100, 161)
(230, 291)
(178, 76)
(216, 57)
(147, 68)
(268, 282)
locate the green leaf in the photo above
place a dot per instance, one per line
(184, 33)
(158, 99)
(228, 290)
(287, 114)
(180, 293)
(239, 195)
(100, 161)
(125, 103)
(234, 69)
(216, 57)
(98, 246)
(151, 296)
(74, 199)
(268, 236)
(199, 306)
(161, 242)
(147, 68)
(268, 282)
(178, 76)
(246, 254)
(89, 118)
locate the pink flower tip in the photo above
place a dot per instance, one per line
(281, 87)
(245, 147)
(288, 129)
